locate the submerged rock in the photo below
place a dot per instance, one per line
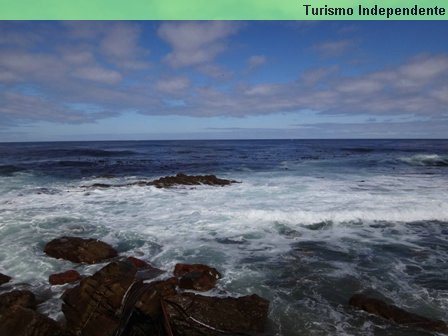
(4, 279)
(196, 276)
(64, 277)
(396, 314)
(80, 250)
(182, 179)
(196, 315)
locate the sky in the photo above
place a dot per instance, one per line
(144, 80)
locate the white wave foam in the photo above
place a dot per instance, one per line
(426, 160)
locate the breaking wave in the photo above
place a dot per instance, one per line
(427, 160)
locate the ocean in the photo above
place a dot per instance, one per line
(311, 223)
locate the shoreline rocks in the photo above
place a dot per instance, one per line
(116, 300)
(393, 313)
(19, 318)
(79, 250)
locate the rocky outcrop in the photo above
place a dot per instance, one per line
(4, 279)
(182, 179)
(197, 315)
(196, 276)
(19, 318)
(105, 301)
(393, 313)
(170, 181)
(64, 277)
(116, 301)
(79, 250)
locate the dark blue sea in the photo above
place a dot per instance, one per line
(312, 223)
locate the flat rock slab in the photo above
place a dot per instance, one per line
(393, 313)
(193, 315)
(196, 276)
(4, 279)
(80, 250)
(64, 277)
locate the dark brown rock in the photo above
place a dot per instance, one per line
(106, 301)
(22, 298)
(196, 276)
(197, 315)
(4, 279)
(182, 179)
(65, 277)
(138, 262)
(79, 250)
(20, 321)
(396, 314)
(91, 308)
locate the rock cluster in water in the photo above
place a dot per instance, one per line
(171, 181)
(124, 298)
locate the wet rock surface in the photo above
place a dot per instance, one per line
(191, 314)
(22, 298)
(196, 276)
(64, 277)
(393, 313)
(19, 318)
(79, 250)
(116, 301)
(20, 321)
(4, 279)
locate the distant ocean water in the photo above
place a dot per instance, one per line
(313, 221)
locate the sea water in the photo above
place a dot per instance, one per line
(311, 223)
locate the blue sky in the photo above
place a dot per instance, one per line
(120, 80)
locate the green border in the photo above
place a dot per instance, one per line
(198, 9)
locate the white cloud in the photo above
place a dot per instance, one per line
(173, 85)
(98, 74)
(256, 61)
(333, 48)
(196, 43)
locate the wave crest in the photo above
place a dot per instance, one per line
(427, 160)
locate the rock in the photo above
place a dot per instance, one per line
(4, 279)
(182, 179)
(65, 277)
(396, 314)
(79, 250)
(138, 262)
(91, 307)
(20, 321)
(196, 276)
(169, 181)
(105, 302)
(22, 298)
(115, 301)
(194, 315)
